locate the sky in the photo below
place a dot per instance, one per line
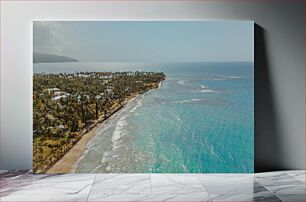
(104, 41)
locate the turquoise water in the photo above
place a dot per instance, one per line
(201, 120)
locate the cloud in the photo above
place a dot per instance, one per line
(52, 38)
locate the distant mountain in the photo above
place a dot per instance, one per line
(46, 58)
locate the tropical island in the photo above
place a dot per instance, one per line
(67, 106)
(48, 58)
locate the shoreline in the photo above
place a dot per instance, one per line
(68, 162)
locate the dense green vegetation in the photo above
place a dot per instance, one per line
(65, 106)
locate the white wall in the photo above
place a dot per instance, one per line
(280, 106)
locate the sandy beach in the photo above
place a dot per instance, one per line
(67, 162)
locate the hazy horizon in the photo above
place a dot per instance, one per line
(146, 41)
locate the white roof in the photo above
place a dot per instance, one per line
(59, 97)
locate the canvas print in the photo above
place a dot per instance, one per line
(143, 96)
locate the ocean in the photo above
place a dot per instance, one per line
(201, 120)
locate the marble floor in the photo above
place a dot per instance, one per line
(271, 186)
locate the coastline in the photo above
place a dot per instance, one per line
(67, 163)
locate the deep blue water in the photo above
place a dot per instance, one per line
(201, 120)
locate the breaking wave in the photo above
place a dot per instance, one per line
(139, 103)
(190, 101)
